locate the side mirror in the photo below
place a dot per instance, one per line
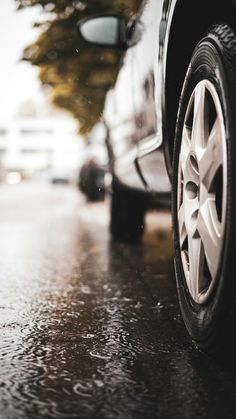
(106, 31)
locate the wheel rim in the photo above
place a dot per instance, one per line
(202, 191)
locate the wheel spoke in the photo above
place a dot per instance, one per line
(209, 230)
(191, 207)
(195, 265)
(212, 158)
(182, 226)
(185, 148)
(199, 121)
(191, 175)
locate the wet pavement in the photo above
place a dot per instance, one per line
(91, 328)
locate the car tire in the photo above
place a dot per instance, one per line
(203, 197)
(88, 183)
(126, 214)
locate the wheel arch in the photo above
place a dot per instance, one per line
(181, 43)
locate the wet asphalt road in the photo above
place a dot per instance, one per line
(92, 329)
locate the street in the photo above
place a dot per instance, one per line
(92, 328)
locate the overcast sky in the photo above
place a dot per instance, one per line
(18, 81)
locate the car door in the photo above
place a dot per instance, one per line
(148, 73)
(120, 118)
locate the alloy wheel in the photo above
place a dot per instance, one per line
(202, 191)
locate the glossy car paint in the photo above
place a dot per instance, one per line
(133, 109)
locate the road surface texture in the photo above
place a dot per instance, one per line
(92, 329)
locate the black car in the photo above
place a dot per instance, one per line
(171, 121)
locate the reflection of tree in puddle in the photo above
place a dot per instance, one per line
(153, 254)
(157, 242)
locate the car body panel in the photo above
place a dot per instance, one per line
(131, 110)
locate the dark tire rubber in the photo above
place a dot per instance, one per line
(212, 324)
(126, 214)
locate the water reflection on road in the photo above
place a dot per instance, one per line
(91, 328)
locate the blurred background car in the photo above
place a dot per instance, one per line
(95, 165)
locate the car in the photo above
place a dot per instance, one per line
(95, 165)
(171, 120)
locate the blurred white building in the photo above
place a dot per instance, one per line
(46, 148)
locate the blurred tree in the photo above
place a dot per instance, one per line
(79, 75)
